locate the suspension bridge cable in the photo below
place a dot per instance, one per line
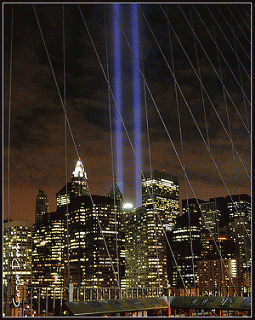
(204, 90)
(182, 148)
(9, 171)
(150, 163)
(180, 163)
(66, 168)
(215, 72)
(242, 18)
(174, 145)
(93, 205)
(215, 202)
(247, 13)
(226, 107)
(215, 164)
(232, 30)
(168, 137)
(230, 44)
(241, 81)
(54, 76)
(243, 222)
(214, 67)
(206, 127)
(128, 137)
(112, 153)
(238, 24)
(222, 57)
(244, 229)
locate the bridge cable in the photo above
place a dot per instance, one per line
(182, 148)
(112, 154)
(205, 92)
(230, 133)
(206, 126)
(150, 163)
(128, 137)
(242, 18)
(241, 81)
(172, 145)
(220, 53)
(232, 30)
(175, 148)
(238, 24)
(244, 229)
(93, 204)
(231, 45)
(8, 237)
(217, 76)
(228, 118)
(215, 164)
(65, 119)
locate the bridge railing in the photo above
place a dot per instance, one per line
(46, 301)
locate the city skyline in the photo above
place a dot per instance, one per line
(37, 119)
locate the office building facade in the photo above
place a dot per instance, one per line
(17, 261)
(186, 245)
(160, 198)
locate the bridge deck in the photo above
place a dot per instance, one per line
(121, 306)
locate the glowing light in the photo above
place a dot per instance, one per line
(127, 206)
(118, 96)
(137, 102)
(79, 170)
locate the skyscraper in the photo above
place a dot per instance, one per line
(77, 187)
(93, 245)
(239, 209)
(186, 245)
(161, 191)
(138, 242)
(160, 197)
(42, 206)
(17, 260)
(210, 217)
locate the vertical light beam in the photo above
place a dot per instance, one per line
(137, 102)
(118, 96)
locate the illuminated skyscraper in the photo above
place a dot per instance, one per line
(138, 242)
(186, 245)
(210, 217)
(161, 190)
(17, 259)
(42, 206)
(239, 209)
(160, 197)
(92, 247)
(77, 187)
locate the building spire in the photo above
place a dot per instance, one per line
(79, 186)
(79, 171)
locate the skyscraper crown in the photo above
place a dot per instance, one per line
(79, 170)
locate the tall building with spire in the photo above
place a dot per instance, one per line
(77, 187)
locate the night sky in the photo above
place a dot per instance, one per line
(220, 52)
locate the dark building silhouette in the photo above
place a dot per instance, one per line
(42, 206)
(186, 245)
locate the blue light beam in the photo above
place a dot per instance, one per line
(118, 97)
(137, 102)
